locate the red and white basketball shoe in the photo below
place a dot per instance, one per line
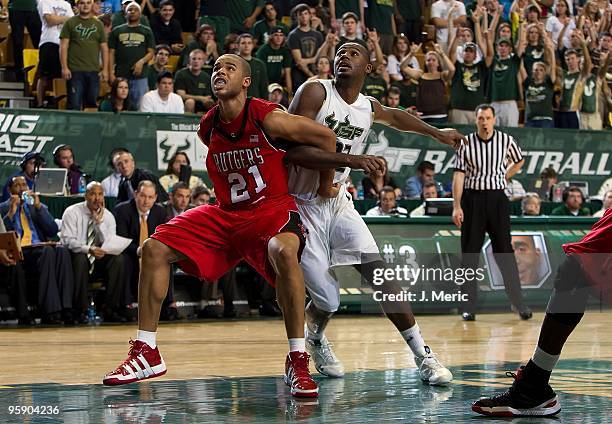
(297, 375)
(143, 362)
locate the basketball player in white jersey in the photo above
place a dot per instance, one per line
(337, 233)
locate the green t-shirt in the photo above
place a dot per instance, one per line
(261, 28)
(589, 95)
(375, 86)
(409, 9)
(532, 55)
(408, 93)
(504, 81)
(131, 43)
(85, 37)
(259, 79)
(119, 19)
(568, 89)
(468, 86)
(564, 211)
(539, 99)
(152, 74)
(196, 85)
(343, 6)
(239, 11)
(22, 5)
(275, 61)
(379, 14)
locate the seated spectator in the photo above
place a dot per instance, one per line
(408, 92)
(573, 201)
(231, 44)
(393, 98)
(85, 227)
(324, 70)
(259, 75)
(25, 214)
(132, 176)
(514, 190)
(110, 184)
(414, 185)
(402, 53)
(373, 184)
(429, 192)
(577, 70)
(131, 49)
(163, 100)
(530, 205)
(13, 276)
(349, 29)
(53, 14)
(439, 71)
(376, 83)
(193, 84)
(174, 171)
(263, 29)
(30, 162)
(277, 57)
(216, 13)
(160, 64)
(180, 195)
(544, 185)
(200, 195)
(120, 18)
(387, 205)
(205, 41)
(276, 94)
(441, 13)
(63, 157)
(137, 219)
(305, 44)
(82, 44)
(607, 202)
(119, 98)
(539, 96)
(166, 28)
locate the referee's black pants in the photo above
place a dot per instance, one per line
(488, 211)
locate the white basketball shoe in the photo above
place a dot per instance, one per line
(324, 358)
(431, 370)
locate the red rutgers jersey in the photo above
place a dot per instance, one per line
(244, 166)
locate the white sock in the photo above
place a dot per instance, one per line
(148, 337)
(415, 340)
(544, 360)
(297, 345)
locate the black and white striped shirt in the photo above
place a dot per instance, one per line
(485, 162)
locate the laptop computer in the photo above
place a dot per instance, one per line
(51, 181)
(439, 206)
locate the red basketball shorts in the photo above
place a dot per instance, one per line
(214, 240)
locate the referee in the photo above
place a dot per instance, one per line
(483, 166)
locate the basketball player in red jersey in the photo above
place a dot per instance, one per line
(586, 271)
(255, 219)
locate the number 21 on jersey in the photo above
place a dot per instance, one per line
(238, 185)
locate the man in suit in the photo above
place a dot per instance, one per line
(85, 227)
(137, 219)
(132, 176)
(24, 213)
(180, 195)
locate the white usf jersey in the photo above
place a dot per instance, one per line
(350, 122)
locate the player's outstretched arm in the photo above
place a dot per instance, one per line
(313, 158)
(299, 130)
(404, 121)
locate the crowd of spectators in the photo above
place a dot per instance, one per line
(541, 63)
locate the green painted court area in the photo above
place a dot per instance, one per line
(584, 388)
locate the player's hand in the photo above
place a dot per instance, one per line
(329, 192)
(5, 258)
(458, 217)
(451, 137)
(369, 164)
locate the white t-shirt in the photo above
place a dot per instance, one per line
(440, 10)
(51, 34)
(393, 65)
(554, 26)
(151, 102)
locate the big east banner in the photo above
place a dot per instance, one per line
(154, 138)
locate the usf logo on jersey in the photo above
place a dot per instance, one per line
(343, 129)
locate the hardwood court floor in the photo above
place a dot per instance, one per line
(228, 371)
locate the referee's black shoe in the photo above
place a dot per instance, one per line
(522, 399)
